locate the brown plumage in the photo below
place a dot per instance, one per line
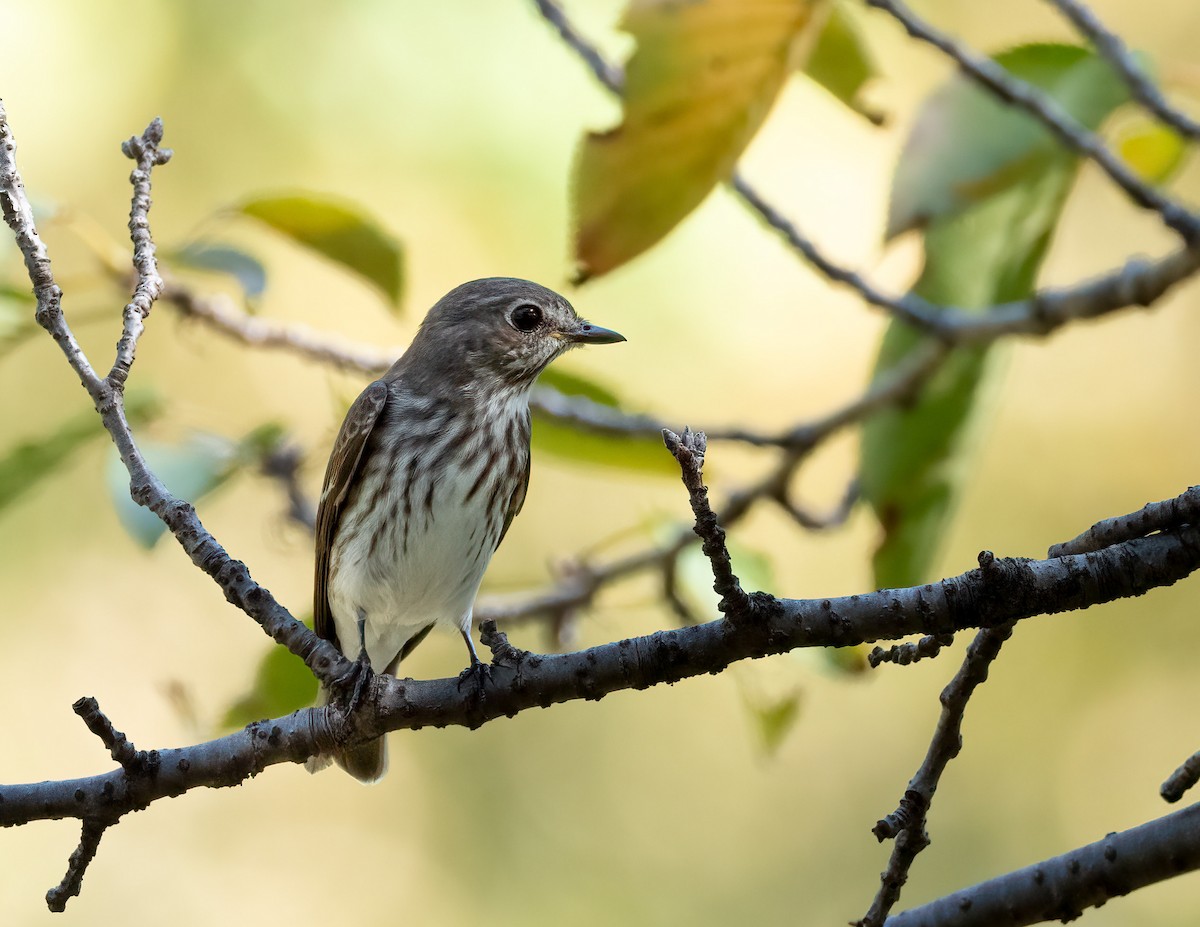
(427, 473)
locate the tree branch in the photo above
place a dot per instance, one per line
(1184, 509)
(894, 386)
(145, 488)
(688, 449)
(1062, 887)
(1180, 781)
(1109, 45)
(1021, 95)
(146, 154)
(1137, 283)
(1008, 590)
(906, 825)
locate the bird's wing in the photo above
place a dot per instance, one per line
(517, 499)
(344, 464)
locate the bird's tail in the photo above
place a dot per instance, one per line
(366, 762)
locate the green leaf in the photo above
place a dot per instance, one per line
(282, 684)
(774, 721)
(16, 294)
(571, 384)
(16, 319)
(966, 145)
(846, 661)
(698, 86)
(339, 231)
(981, 248)
(16, 322)
(30, 462)
(644, 454)
(246, 269)
(841, 62)
(22, 467)
(572, 443)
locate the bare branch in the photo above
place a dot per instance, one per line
(688, 449)
(283, 463)
(1061, 888)
(1021, 95)
(1184, 509)
(1138, 283)
(1109, 45)
(1008, 590)
(221, 313)
(906, 825)
(835, 517)
(904, 654)
(146, 154)
(19, 216)
(145, 488)
(911, 308)
(131, 759)
(894, 386)
(609, 75)
(1182, 780)
(72, 882)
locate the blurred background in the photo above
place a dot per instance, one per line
(455, 123)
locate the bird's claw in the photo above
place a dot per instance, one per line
(353, 686)
(479, 673)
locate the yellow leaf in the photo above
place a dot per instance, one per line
(1152, 149)
(699, 85)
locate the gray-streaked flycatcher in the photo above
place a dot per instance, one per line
(428, 471)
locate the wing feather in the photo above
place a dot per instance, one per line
(344, 464)
(517, 499)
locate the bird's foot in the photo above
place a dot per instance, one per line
(479, 674)
(353, 686)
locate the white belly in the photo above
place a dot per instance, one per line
(419, 570)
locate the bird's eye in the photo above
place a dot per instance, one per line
(526, 317)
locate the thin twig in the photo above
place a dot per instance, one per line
(910, 307)
(131, 759)
(146, 154)
(1136, 283)
(1180, 781)
(1019, 94)
(904, 654)
(688, 449)
(895, 386)
(611, 76)
(283, 463)
(1110, 45)
(906, 825)
(1184, 509)
(325, 661)
(834, 518)
(221, 313)
(89, 841)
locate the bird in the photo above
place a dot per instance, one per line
(428, 471)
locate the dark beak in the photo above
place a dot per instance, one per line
(587, 333)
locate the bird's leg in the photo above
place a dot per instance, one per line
(360, 675)
(478, 670)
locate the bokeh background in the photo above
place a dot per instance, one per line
(456, 123)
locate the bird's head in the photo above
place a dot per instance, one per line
(498, 332)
